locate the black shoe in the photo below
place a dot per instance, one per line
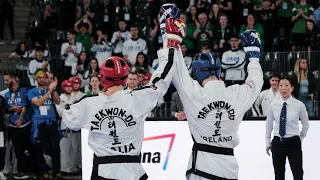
(21, 176)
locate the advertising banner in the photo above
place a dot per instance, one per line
(167, 146)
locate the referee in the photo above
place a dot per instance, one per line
(286, 112)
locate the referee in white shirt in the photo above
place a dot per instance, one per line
(286, 112)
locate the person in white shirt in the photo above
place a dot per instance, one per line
(133, 46)
(267, 96)
(69, 53)
(119, 37)
(37, 63)
(103, 48)
(233, 62)
(132, 82)
(283, 118)
(69, 144)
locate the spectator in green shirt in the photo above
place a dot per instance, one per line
(204, 31)
(301, 13)
(83, 28)
(251, 24)
(284, 10)
(94, 86)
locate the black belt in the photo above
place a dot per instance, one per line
(116, 159)
(209, 149)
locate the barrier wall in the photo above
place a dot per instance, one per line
(167, 147)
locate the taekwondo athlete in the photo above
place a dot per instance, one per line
(115, 118)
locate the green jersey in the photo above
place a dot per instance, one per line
(85, 40)
(300, 24)
(285, 9)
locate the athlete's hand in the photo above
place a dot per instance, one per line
(251, 44)
(268, 149)
(176, 30)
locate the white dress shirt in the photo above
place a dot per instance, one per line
(295, 110)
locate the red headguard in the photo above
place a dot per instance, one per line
(64, 84)
(76, 79)
(113, 71)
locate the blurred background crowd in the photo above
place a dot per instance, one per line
(71, 38)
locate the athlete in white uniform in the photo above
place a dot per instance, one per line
(214, 112)
(116, 118)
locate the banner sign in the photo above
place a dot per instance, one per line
(167, 147)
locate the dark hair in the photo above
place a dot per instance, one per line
(11, 74)
(97, 69)
(85, 64)
(18, 48)
(313, 29)
(90, 87)
(289, 78)
(183, 44)
(145, 62)
(275, 75)
(141, 71)
(133, 73)
(134, 26)
(72, 31)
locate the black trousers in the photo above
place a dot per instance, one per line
(6, 15)
(21, 142)
(291, 148)
(2, 153)
(48, 135)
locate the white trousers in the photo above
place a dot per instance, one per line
(70, 156)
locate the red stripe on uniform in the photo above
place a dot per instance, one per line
(249, 85)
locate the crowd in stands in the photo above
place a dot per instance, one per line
(72, 38)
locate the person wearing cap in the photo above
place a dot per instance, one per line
(44, 122)
(69, 144)
(233, 63)
(77, 83)
(36, 63)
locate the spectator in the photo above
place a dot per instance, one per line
(284, 15)
(142, 63)
(205, 48)
(133, 46)
(127, 12)
(70, 53)
(93, 70)
(316, 16)
(103, 47)
(281, 42)
(267, 96)
(7, 82)
(192, 15)
(21, 54)
(226, 7)
(106, 15)
(67, 15)
(214, 14)
(80, 68)
(83, 28)
(77, 84)
(267, 14)
(188, 40)
(245, 8)
(7, 13)
(203, 6)
(20, 124)
(69, 144)
(45, 125)
(304, 84)
(156, 40)
(222, 35)
(176, 107)
(94, 86)
(311, 36)
(301, 13)
(2, 136)
(233, 63)
(43, 46)
(187, 59)
(119, 37)
(49, 19)
(251, 24)
(204, 32)
(132, 82)
(141, 76)
(37, 63)
(259, 6)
